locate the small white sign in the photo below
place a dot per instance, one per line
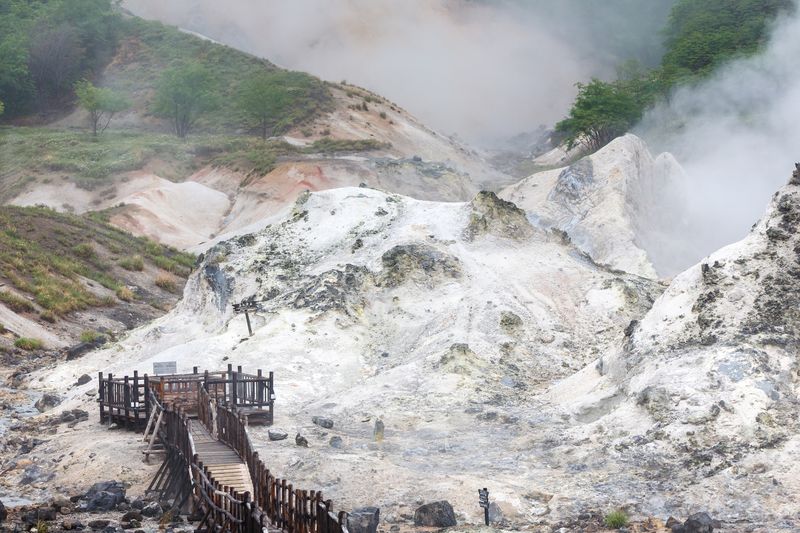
(164, 368)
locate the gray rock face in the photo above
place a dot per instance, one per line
(436, 514)
(323, 422)
(363, 520)
(492, 215)
(277, 435)
(417, 262)
(104, 496)
(47, 401)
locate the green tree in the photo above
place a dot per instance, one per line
(183, 95)
(601, 112)
(701, 35)
(101, 103)
(261, 100)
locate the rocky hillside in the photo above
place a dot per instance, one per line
(618, 205)
(494, 350)
(445, 320)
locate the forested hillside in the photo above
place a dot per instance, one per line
(698, 38)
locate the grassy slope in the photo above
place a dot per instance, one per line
(148, 48)
(46, 255)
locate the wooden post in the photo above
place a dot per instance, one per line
(234, 392)
(110, 400)
(135, 400)
(126, 399)
(260, 389)
(194, 370)
(271, 401)
(146, 396)
(249, 327)
(100, 394)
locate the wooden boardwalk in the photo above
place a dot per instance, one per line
(223, 462)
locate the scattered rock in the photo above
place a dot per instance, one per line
(104, 496)
(47, 401)
(363, 520)
(71, 525)
(510, 321)
(132, 515)
(323, 422)
(277, 435)
(42, 514)
(696, 523)
(152, 510)
(377, 432)
(436, 514)
(3, 512)
(301, 440)
(35, 474)
(336, 442)
(100, 523)
(83, 380)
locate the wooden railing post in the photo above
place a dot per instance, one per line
(110, 398)
(135, 399)
(100, 394)
(147, 396)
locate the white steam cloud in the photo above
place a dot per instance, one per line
(737, 135)
(481, 69)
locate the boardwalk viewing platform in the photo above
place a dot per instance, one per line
(199, 422)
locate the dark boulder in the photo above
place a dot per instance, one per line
(84, 379)
(42, 514)
(363, 520)
(132, 515)
(3, 512)
(84, 348)
(436, 514)
(104, 496)
(696, 523)
(47, 401)
(322, 421)
(277, 435)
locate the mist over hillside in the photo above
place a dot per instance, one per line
(735, 135)
(484, 70)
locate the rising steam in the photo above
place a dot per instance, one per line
(480, 69)
(737, 137)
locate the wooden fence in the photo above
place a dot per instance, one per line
(275, 501)
(126, 400)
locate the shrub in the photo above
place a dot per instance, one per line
(48, 316)
(85, 250)
(166, 283)
(28, 344)
(383, 114)
(125, 294)
(15, 303)
(132, 263)
(616, 519)
(90, 336)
